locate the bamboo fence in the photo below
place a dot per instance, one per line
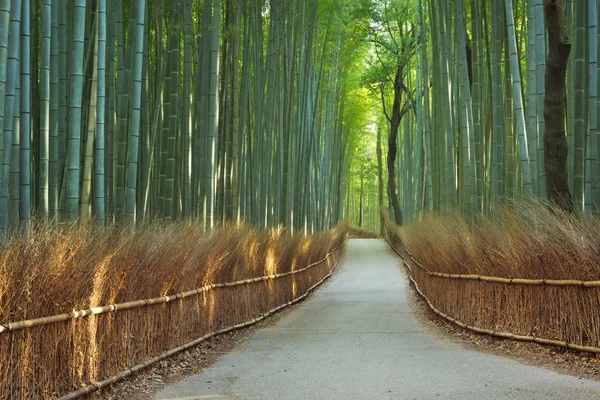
(82, 351)
(562, 313)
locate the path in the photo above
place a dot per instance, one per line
(358, 338)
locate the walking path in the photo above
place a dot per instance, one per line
(358, 338)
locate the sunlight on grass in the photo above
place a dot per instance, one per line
(56, 270)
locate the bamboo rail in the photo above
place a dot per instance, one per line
(506, 335)
(509, 281)
(501, 334)
(95, 386)
(13, 326)
(496, 279)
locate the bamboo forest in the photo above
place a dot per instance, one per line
(175, 171)
(282, 112)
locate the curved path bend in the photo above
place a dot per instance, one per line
(358, 338)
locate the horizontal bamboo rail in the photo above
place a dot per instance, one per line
(506, 335)
(95, 386)
(509, 281)
(13, 326)
(392, 246)
(500, 334)
(496, 279)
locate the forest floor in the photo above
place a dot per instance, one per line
(419, 349)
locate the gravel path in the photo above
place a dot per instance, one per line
(358, 338)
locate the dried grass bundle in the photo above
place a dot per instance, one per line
(55, 270)
(361, 233)
(527, 242)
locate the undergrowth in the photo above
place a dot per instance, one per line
(528, 241)
(361, 233)
(531, 241)
(53, 270)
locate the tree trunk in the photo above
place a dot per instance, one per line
(393, 148)
(44, 137)
(361, 205)
(580, 87)
(76, 88)
(556, 149)
(25, 131)
(134, 123)
(100, 142)
(380, 178)
(540, 48)
(519, 114)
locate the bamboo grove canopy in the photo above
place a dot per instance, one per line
(292, 112)
(473, 96)
(215, 109)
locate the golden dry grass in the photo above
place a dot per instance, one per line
(531, 242)
(56, 270)
(361, 233)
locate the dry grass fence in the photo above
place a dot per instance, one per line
(157, 285)
(526, 274)
(356, 232)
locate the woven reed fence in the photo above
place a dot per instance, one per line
(563, 313)
(79, 352)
